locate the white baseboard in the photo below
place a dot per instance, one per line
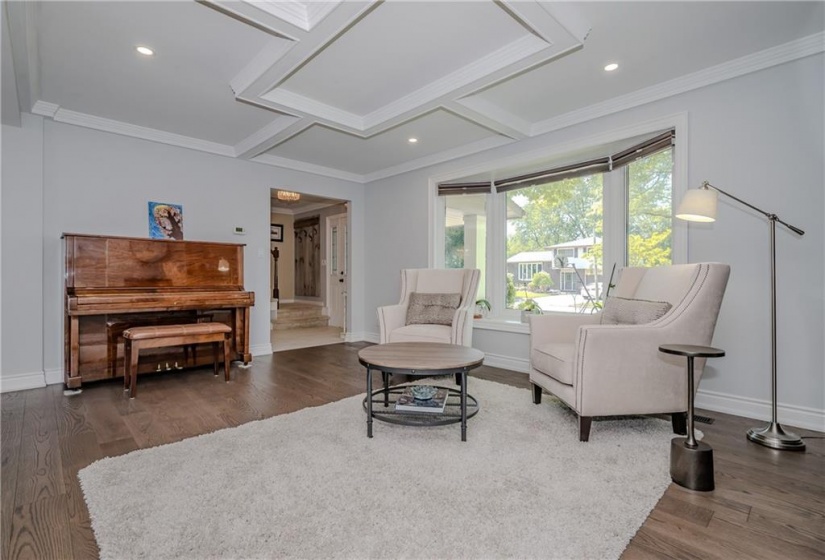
(22, 381)
(507, 362)
(54, 376)
(261, 349)
(788, 414)
(373, 337)
(355, 337)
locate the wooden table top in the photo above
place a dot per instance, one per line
(425, 356)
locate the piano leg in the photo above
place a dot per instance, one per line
(72, 375)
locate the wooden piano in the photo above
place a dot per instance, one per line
(113, 283)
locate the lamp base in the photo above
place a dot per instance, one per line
(775, 437)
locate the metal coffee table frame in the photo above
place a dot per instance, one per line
(418, 418)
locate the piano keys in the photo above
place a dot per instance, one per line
(113, 283)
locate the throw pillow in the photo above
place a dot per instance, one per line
(624, 311)
(432, 309)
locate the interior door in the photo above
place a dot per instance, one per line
(337, 269)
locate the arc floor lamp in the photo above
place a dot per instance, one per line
(699, 205)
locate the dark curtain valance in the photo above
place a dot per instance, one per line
(447, 189)
(589, 167)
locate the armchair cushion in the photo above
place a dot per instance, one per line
(422, 333)
(432, 309)
(554, 359)
(625, 311)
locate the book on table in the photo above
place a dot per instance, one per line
(408, 403)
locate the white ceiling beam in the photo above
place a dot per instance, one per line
(491, 116)
(280, 130)
(334, 24)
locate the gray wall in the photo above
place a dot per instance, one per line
(759, 136)
(21, 201)
(99, 183)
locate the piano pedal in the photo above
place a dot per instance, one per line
(167, 367)
(159, 368)
(177, 366)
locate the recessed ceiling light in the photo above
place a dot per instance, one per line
(412, 140)
(145, 51)
(610, 67)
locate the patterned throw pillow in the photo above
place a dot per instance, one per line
(432, 309)
(624, 311)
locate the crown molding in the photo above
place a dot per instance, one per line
(304, 15)
(495, 118)
(291, 11)
(794, 50)
(277, 161)
(23, 36)
(45, 109)
(317, 11)
(59, 114)
(441, 157)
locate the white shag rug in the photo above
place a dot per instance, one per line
(310, 484)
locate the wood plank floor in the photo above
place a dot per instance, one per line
(767, 504)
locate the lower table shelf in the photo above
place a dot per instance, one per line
(383, 408)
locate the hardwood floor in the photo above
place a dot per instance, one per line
(767, 504)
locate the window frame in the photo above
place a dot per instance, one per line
(614, 209)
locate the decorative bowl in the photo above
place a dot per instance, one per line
(423, 392)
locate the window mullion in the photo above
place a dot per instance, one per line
(496, 252)
(615, 219)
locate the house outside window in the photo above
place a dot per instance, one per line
(573, 228)
(564, 254)
(527, 270)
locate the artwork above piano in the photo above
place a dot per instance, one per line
(112, 283)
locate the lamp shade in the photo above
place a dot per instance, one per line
(698, 205)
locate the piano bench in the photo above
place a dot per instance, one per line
(138, 338)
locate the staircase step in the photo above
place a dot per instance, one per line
(300, 323)
(298, 316)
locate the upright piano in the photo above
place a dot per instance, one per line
(114, 283)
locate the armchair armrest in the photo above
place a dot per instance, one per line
(559, 327)
(619, 370)
(391, 317)
(462, 328)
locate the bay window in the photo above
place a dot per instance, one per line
(554, 236)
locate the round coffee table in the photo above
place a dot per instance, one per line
(419, 359)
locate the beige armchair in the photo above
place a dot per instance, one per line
(615, 369)
(392, 319)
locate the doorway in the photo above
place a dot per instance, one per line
(311, 310)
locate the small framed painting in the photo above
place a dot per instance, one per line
(165, 221)
(276, 232)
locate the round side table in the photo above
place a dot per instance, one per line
(691, 461)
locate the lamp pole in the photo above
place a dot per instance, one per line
(772, 435)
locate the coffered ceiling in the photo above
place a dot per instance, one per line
(340, 87)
